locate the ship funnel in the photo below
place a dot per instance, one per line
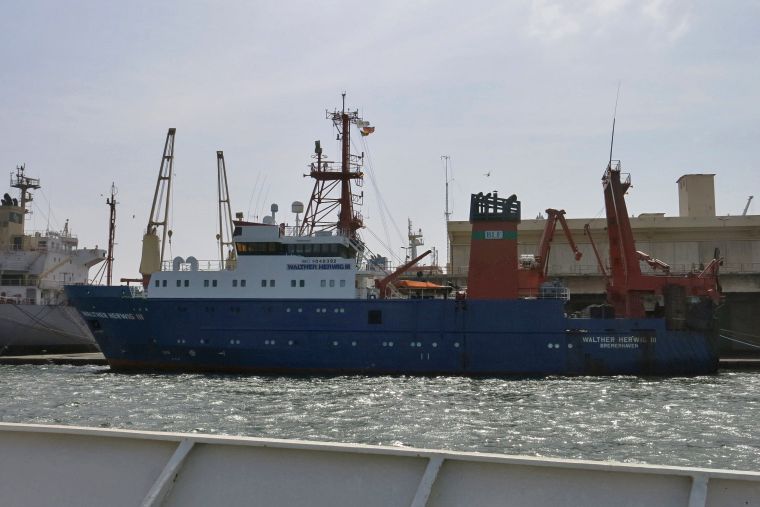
(493, 251)
(151, 256)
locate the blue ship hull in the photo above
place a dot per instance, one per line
(415, 337)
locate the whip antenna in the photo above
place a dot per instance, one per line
(614, 116)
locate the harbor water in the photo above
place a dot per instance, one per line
(709, 421)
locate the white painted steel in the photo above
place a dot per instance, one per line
(74, 466)
(165, 481)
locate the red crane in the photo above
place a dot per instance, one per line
(533, 274)
(383, 283)
(628, 289)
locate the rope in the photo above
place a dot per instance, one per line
(383, 207)
(739, 333)
(739, 341)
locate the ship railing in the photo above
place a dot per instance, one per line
(41, 233)
(11, 300)
(136, 291)
(545, 293)
(675, 269)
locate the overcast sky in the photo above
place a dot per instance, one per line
(523, 90)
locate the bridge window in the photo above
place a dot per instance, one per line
(205, 283)
(187, 283)
(263, 283)
(332, 283)
(271, 283)
(242, 283)
(163, 283)
(292, 283)
(179, 283)
(234, 283)
(158, 283)
(260, 248)
(301, 283)
(342, 283)
(323, 283)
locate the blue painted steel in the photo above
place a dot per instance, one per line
(419, 337)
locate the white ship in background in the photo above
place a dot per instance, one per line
(34, 266)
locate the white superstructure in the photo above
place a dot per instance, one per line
(269, 264)
(35, 266)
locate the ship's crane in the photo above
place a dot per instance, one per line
(628, 289)
(383, 284)
(226, 227)
(534, 269)
(553, 217)
(153, 252)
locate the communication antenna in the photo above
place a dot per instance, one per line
(446, 212)
(614, 116)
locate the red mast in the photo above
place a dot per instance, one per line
(327, 177)
(627, 287)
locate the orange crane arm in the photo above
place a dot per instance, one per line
(544, 243)
(382, 284)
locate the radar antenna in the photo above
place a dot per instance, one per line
(24, 183)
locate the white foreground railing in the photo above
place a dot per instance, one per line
(75, 466)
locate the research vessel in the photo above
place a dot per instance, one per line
(308, 300)
(34, 266)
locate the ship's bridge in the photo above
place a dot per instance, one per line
(264, 239)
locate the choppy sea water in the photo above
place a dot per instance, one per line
(710, 421)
